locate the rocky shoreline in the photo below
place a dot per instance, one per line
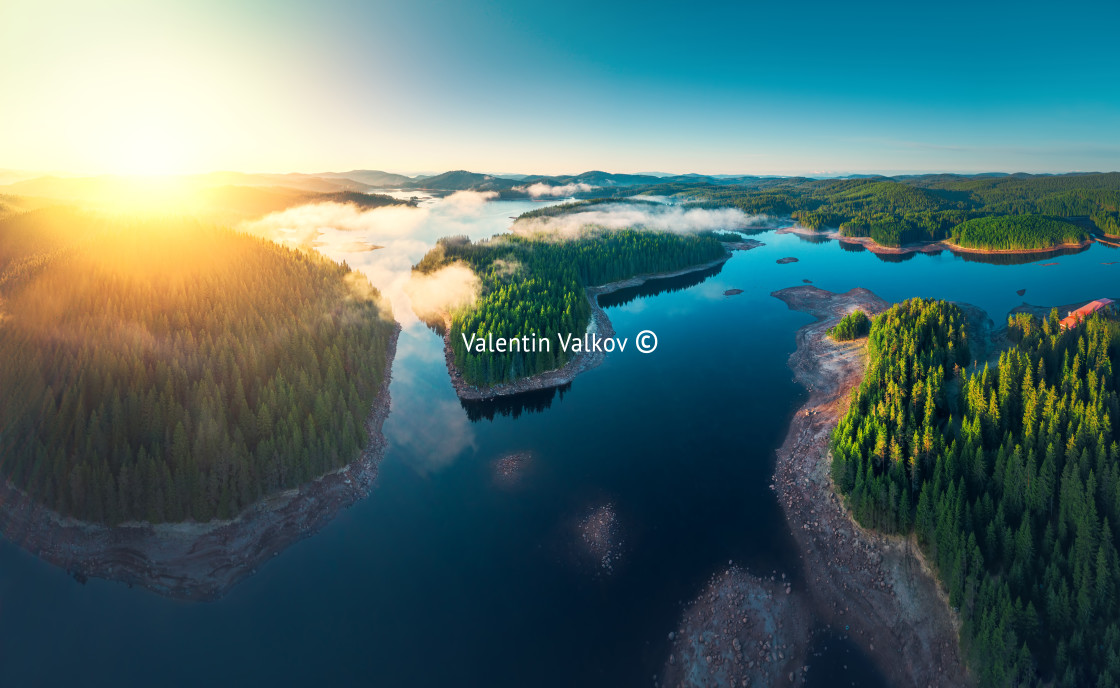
(878, 588)
(873, 590)
(600, 325)
(197, 561)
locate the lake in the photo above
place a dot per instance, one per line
(448, 575)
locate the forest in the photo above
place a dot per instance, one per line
(1009, 232)
(1008, 475)
(533, 284)
(901, 210)
(168, 370)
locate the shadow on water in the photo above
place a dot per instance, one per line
(513, 406)
(661, 285)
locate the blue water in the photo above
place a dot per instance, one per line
(443, 577)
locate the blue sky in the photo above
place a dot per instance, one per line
(534, 87)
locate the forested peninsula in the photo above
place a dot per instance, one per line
(535, 284)
(169, 370)
(1008, 474)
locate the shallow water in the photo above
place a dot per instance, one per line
(447, 576)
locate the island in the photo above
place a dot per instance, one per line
(190, 398)
(536, 322)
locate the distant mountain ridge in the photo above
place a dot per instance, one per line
(583, 185)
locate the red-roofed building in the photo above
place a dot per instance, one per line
(1085, 311)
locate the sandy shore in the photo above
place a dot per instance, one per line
(600, 324)
(927, 246)
(877, 587)
(197, 561)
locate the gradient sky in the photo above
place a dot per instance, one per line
(510, 86)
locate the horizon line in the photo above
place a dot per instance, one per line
(30, 175)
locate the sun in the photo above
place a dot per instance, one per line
(148, 149)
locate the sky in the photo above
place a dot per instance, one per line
(506, 86)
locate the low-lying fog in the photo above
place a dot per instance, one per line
(422, 395)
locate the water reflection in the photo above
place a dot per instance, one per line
(657, 286)
(898, 257)
(514, 405)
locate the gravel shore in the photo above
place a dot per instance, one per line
(877, 587)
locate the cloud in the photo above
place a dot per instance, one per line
(542, 190)
(403, 233)
(452, 286)
(624, 216)
(422, 401)
(302, 225)
(469, 201)
(410, 430)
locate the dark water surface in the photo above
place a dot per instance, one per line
(444, 576)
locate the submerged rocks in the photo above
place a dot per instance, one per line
(509, 470)
(787, 259)
(733, 292)
(741, 630)
(600, 537)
